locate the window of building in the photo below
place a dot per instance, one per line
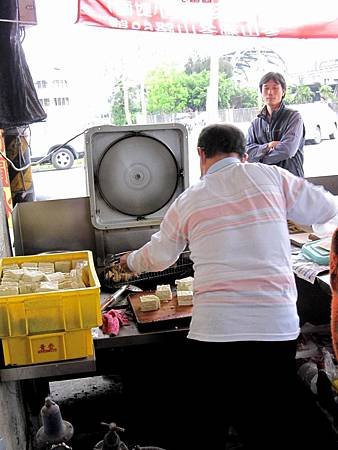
(61, 101)
(60, 83)
(44, 101)
(41, 84)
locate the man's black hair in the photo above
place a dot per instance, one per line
(221, 138)
(274, 76)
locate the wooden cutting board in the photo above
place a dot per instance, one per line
(168, 316)
(299, 239)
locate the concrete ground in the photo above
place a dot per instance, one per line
(87, 402)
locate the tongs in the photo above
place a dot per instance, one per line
(114, 299)
(115, 259)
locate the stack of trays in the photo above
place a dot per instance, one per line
(42, 327)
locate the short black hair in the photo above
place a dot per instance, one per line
(221, 138)
(274, 76)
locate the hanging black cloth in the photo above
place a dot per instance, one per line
(19, 103)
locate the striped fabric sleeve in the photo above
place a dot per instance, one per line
(163, 249)
(306, 203)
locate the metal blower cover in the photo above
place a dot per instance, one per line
(134, 173)
(137, 175)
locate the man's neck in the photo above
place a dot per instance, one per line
(271, 109)
(210, 161)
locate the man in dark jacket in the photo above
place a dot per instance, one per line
(276, 135)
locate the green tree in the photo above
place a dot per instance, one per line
(167, 91)
(197, 86)
(326, 92)
(244, 98)
(289, 96)
(118, 103)
(226, 91)
(303, 94)
(117, 107)
(199, 64)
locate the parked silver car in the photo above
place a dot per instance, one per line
(320, 121)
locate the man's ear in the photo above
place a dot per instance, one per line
(201, 153)
(244, 158)
(202, 156)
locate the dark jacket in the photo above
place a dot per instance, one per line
(286, 125)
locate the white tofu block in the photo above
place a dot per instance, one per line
(9, 283)
(63, 266)
(67, 284)
(10, 266)
(79, 263)
(48, 286)
(184, 298)
(46, 267)
(55, 276)
(163, 292)
(8, 290)
(150, 302)
(29, 265)
(33, 276)
(185, 284)
(28, 288)
(12, 274)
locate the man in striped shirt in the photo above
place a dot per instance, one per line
(244, 327)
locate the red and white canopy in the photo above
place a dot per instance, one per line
(251, 18)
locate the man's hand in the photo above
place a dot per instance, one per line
(271, 146)
(123, 262)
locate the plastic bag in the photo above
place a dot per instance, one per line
(19, 104)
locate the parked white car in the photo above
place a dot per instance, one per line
(50, 144)
(320, 121)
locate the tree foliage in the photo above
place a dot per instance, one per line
(167, 91)
(197, 85)
(299, 94)
(199, 64)
(326, 92)
(117, 103)
(226, 91)
(173, 91)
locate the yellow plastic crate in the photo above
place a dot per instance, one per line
(47, 312)
(43, 348)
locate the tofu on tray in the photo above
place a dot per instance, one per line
(150, 302)
(184, 298)
(163, 292)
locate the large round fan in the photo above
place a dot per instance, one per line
(137, 175)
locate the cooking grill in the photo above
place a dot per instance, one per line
(147, 280)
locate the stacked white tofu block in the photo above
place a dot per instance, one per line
(184, 292)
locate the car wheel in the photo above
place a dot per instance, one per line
(318, 136)
(62, 159)
(334, 134)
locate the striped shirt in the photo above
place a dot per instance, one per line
(235, 223)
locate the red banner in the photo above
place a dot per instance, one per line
(253, 18)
